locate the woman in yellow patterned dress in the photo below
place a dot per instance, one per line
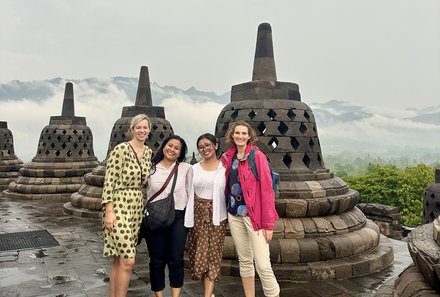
(128, 168)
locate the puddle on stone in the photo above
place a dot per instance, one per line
(38, 254)
(101, 271)
(60, 279)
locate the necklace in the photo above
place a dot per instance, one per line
(139, 151)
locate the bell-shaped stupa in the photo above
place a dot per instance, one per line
(431, 200)
(87, 201)
(321, 234)
(64, 155)
(10, 164)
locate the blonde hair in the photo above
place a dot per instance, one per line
(230, 133)
(136, 119)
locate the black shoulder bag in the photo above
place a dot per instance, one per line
(159, 215)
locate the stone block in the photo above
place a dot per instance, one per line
(309, 250)
(318, 207)
(293, 228)
(326, 249)
(290, 252)
(343, 246)
(323, 226)
(296, 208)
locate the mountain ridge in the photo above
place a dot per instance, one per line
(341, 125)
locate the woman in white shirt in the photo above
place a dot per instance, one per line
(166, 247)
(206, 214)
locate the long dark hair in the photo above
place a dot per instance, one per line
(159, 154)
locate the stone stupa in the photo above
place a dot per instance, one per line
(321, 234)
(422, 278)
(64, 155)
(10, 164)
(87, 201)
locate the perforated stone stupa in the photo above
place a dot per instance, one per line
(87, 201)
(321, 233)
(10, 164)
(64, 155)
(431, 200)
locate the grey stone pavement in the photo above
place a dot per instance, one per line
(76, 267)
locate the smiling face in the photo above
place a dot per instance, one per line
(241, 136)
(141, 130)
(206, 148)
(171, 150)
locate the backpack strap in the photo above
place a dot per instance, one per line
(251, 159)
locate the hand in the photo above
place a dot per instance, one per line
(268, 235)
(110, 220)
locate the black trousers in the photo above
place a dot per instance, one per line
(166, 247)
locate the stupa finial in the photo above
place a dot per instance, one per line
(68, 104)
(264, 62)
(143, 96)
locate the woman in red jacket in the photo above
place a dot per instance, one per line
(251, 209)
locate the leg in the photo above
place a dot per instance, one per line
(123, 276)
(208, 286)
(115, 267)
(157, 251)
(176, 246)
(262, 260)
(248, 283)
(245, 254)
(175, 292)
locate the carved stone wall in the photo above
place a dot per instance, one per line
(386, 217)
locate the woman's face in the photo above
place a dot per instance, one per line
(241, 136)
(171, 150)
(206, 148)
(141, 130)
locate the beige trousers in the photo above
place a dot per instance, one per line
(252, 246)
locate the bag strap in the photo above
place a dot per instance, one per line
(252, 163)
(173, 172)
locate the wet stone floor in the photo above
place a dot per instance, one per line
(76, 267)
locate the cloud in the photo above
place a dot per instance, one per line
(101, 102)
(378, 133)
(190, 118)
(26, 118)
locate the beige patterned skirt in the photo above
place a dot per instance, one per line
(205, 242)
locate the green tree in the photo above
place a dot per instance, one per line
(412, 184)
(403, 188)
(377, 185)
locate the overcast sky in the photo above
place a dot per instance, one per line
(376, 52)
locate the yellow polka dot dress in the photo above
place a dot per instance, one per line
(124, 179)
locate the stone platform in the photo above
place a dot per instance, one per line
(77, 268)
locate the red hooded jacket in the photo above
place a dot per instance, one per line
(258, 194)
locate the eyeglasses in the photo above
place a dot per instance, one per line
(207, 146)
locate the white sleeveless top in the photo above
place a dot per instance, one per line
(204, 182)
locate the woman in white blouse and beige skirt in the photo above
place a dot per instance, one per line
(206, 215)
